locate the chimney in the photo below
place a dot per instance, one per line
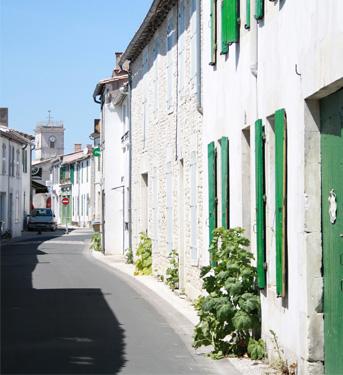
(77, 147)
(118, 56)
(4, 117)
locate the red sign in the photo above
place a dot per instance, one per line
(65, 201)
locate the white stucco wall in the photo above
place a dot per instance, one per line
(294, 37)
(113, 171)
(17, 185)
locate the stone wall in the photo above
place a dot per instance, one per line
(165, 132)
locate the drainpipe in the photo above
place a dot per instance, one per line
(177, 83)
(130, 157)
(199, 71)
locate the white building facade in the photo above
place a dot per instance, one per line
(115, 150)
(15, 180)
(166, 125)
(273, 97)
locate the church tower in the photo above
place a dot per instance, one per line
(49, 138)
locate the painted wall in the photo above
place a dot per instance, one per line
(293, 53)
(113, 171)
(15, 187)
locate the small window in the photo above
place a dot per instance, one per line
(17, 171)
(3, 158)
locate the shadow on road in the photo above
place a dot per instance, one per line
(60, 331)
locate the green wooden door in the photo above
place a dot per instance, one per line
(331, 109)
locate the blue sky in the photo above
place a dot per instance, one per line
(52, 54)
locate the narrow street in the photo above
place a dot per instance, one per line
(63, 312)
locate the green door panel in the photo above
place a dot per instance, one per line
(212, 188)
(331, 112)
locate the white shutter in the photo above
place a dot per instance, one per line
(169, 180)
(193, 206)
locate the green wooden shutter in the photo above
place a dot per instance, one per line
(212, 191)
(62, 173)
(72, 169)
(224, 143)
(259, 9)
(280, 200)
(213, 32)
(260, 203)
(233, 22)
(224, 18)
(247, 15)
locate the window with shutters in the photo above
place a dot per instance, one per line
(181, 47)
(225, 182)
(170, 61)
(17, 163)
(155, 57)
(144, 203)
(193, 206)
(224, 26)
(87, 170)
(213, 16)
(155, 209)
(259, 9)
(232, 21)
(16, 207)
(212, 188)
(246, 172)
(194, 35)
(260, 191)
(4, 161)
(280, 200)
(169, 188)
(247, 14)
(24, 160)
(145, 123)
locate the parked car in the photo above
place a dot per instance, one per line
(42, 219)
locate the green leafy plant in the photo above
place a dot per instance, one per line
(96, 241)
(256, 349)
(129, 256)
(172, 273)
(144, 259)
(230, 311)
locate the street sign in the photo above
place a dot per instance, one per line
(65, 201)
(96, 151)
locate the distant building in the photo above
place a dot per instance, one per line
(49, 140)
(72, 177)
(15, 184)
(49, 144)
(115, 154)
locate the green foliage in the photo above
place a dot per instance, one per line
(172, 273)
(144, 259)
(129, 256)
(96, 241)
(231, 309)
(256, 349)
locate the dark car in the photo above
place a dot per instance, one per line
(42, 219)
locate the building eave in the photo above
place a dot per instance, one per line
(154, 18)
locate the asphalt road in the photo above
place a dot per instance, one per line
(62, 312)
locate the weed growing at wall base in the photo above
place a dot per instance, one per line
(96, 241)
(172, 273)
(230, 311)
(144, 260)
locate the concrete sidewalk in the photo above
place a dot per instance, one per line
(181, 304)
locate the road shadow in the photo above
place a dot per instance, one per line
(60, 331)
